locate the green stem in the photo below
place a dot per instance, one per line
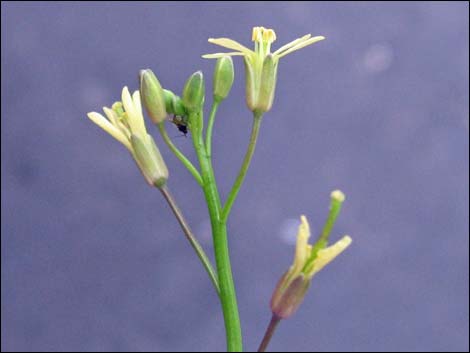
(190, 236)
(275, 320)
(219, 233)
(244, 168)
(210, 126)
(179, 154)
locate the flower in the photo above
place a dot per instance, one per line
(261, 64)
(125, 122)
(308, 261)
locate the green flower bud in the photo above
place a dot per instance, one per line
(288, 295)
(149, 160)
(193, 92)
(173, 103)
(152, 96)
(223, 77)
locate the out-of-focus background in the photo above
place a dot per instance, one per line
(92, 259)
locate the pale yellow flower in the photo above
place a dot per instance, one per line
(261, 63)
(130, 122)
(263, 39)
(125, 122)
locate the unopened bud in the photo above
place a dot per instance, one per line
(193, 93)
(152, 96)
(173, 103)
(149, 160)
(223, 77)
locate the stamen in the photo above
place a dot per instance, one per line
(269, 36)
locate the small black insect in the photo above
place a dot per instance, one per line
(180, 123)
(183, 129)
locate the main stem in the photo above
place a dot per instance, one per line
(222, 256)
(190, 236)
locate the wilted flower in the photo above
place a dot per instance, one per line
(308, 261)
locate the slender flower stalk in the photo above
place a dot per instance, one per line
(275, 320)
(191, 237)
(244, 167)
(183, 159)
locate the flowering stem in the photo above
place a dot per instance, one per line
(244, 168)
(190, 236)
(219, 233)
(275, 320)
(179, 154)
(210, 126)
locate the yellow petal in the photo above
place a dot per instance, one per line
(301, 45)
(325, 256)
(230, 44)
(128, 103)
(301, 248)
(220, 55)
(102, 122)
(133, 109)
(137, 103)
(112, 116)
(139, 115)
(291, 44)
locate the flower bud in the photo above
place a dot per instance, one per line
(223, 77)
(288, 295)
(173, 103)
(193, 92)
(149, 160)
(152, 96)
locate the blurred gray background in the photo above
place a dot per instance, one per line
(92, 259)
